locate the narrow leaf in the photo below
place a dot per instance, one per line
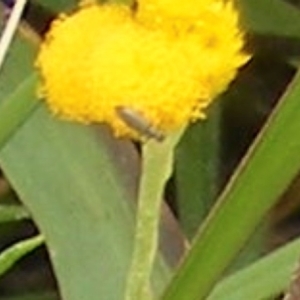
(264, 279)
(15, 110)
(265, 173)
(11, 213)
(14, 253)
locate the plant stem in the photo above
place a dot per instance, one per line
(157, 167)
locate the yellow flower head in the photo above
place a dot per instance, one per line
(165, 62)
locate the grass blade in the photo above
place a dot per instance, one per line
(14, 253)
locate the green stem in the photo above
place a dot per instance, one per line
(157, 167)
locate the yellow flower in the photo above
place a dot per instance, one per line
(166, 62)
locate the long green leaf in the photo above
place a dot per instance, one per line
(264, 279)
(268, 169)
(196, 171)
(68, 177)
(17, 80)
(15, 110)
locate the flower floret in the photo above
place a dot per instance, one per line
(107, 56)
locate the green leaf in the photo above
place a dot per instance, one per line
(196, 171)
(270, 17)
(10, 256)
(264, 279)
(265, 173)
(17, 67)
(15, 110)
(80, 198)
(17, 80)
(11, 213)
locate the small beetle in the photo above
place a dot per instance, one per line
(136, 121)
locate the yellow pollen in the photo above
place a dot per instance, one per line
(168, 60)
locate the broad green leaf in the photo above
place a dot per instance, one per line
(265, 173)
(70, 179)
(17, 66)
(16, 80)
(15, 110)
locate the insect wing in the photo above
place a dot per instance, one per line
(136, 121)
